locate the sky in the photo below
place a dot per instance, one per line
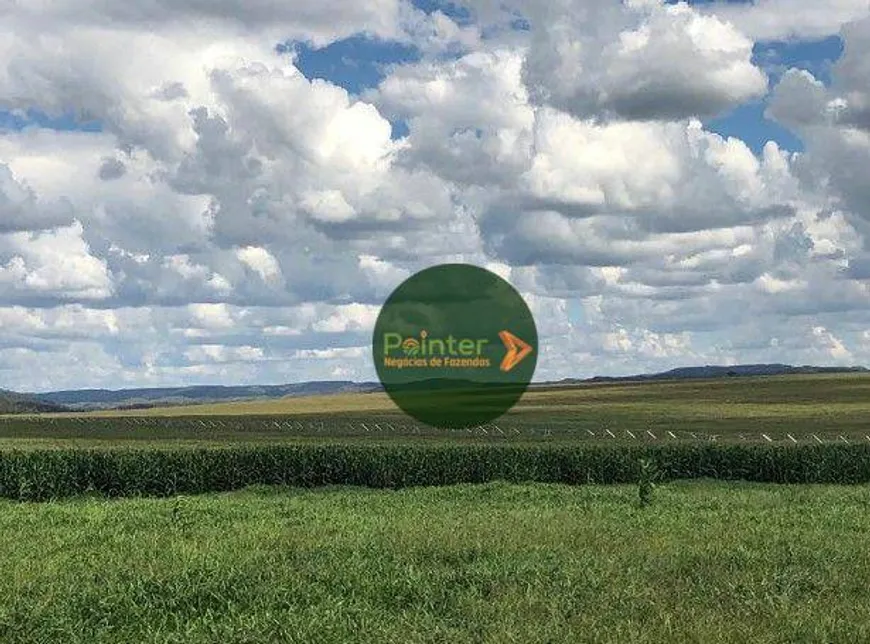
(226, 192)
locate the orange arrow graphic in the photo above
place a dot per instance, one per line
(516, 350)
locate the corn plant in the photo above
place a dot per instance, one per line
(647, 478)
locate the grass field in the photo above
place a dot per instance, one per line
(706, 562)
(828, 406)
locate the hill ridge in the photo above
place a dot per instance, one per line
(125, 398)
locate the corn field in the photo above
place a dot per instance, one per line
(57, 473)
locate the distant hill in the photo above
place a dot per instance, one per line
(87, 399)
(14, 403)
(717, 371)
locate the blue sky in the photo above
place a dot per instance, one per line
(748, 122)
(35, 118)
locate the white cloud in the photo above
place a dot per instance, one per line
(350, 317)
(834, 122)
(333, 353)
(470, 120)
(672, 176)
(789, 19)
(236, 222)
(261, 262)
(20, 210)
(639, 60)
(206, 353)
(212, 316)
(828, 343)
(770, 284)
(52, 264)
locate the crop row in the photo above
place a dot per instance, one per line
(39, 475)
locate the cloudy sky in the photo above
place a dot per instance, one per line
(225, 191)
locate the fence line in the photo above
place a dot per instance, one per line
(504, 429)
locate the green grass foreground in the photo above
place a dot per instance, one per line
(495, 563)
(53, 474)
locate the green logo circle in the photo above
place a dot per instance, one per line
(455, 346)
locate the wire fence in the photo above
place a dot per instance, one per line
(241, 426)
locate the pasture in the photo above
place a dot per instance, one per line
(707, 562)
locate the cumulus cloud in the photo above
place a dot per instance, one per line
(20, 209)
(789, 19)
(50, 265)
(205, 353)
(235, 221)
(834, 122)
(639, 60)
(261, 262)
(470, 119)
(620, 193)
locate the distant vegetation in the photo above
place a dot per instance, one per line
(90, 399)
(712, 371)
(14, 403)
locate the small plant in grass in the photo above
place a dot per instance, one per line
(179, 518)
(648, 475)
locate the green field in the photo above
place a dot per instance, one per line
(810, 408)
(706, 562)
